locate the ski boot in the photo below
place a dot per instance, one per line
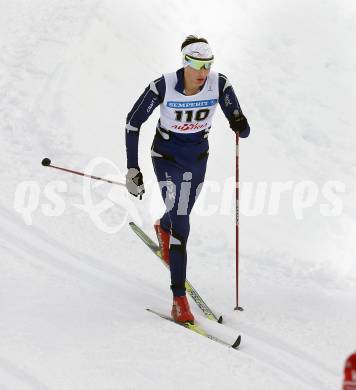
(181, 310)
(163, 240)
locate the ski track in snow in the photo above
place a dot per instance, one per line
(46, 48)
(17, 378)
(44, 249)
(264, 349)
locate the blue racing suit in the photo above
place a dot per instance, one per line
(179, 160)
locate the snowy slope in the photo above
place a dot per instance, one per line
(75, 282)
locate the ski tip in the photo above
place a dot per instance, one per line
(237, 343)
(220, 320)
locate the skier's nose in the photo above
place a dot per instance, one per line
(203, 72)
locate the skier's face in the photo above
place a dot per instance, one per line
(195, 78)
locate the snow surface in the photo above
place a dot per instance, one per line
(74, 286)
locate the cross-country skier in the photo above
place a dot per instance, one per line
(188, 99)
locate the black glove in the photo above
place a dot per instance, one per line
(134, 182)
(238, 123)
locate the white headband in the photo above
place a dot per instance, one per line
(198, 50)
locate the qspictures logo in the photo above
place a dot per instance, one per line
(110, 207)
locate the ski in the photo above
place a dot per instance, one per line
(208, 313)
(199, 329)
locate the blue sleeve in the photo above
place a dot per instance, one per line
(229, 103)
(152, 96)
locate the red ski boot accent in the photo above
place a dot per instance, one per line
(163, 240)
(181, 310)
(350, 373)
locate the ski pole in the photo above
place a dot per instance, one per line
(46, 162)
(237, 223)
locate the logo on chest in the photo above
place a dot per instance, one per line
(191, 115)
(190, 126)
(192, 104)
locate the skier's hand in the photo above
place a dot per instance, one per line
(134, 182)
(238, 123)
